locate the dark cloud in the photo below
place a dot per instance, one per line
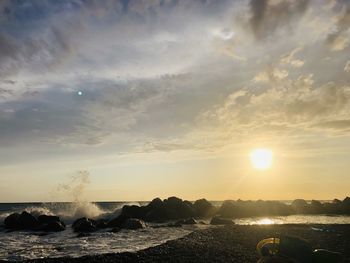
(337, 125)
(267, 17)
(337, 39)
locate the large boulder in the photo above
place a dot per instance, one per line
(51, 223)
(45, 219)
(53, 226)
(11, 221)
(346, 201)
(300, 206)
(27, 221)
(101, 223)
(316, 207)
(218, 220)
(229, 209)
(176, 208)
(118, 221)
(203, 208)
(133, 223)
(187, 221)
(135, 211)
(84, 225)
(346, 205)
(158, 215)
(155, 204)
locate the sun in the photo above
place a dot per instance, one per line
(261, 159)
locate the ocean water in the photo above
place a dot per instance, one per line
(20, 245)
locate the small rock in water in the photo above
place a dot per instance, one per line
(133, 223)
(84, 225)
(217, 220)
(115, 230)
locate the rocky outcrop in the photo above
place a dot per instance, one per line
(27, 221)
(218, 220)
(84, 224)
(133, 224)
(203, 208)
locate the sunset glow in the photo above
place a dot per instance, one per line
(261, 159)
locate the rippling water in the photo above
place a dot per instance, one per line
(26, 245)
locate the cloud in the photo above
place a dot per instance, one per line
(347, 67)
(290, 60)
(340, 125)
(267, 17)
(284, 106)
(338, 39)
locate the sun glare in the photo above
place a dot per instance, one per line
(261, 159)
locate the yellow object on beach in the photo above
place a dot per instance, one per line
(270, 244)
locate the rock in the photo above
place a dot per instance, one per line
(346, 201)
(45, 219)
(54, 226)
(217, 220)
(84, 225)
(176, 224)
(229, 209)
(101, 223)
(115, 230)
(176, 208)
(158, 215)
(11, 221)
(83, 235)
(203, 207)
(133, 223)
(188, 221)
(134, 211)
(27, 221)
(316, 207)
(155, 204)
(300, 206)
(118, 221)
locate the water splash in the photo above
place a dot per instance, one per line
(76, 189)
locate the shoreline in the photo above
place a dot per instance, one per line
(236, 243)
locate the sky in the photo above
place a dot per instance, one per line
(136, 99)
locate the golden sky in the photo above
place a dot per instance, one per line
(161, 98)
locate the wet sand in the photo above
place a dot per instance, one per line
(225, 244)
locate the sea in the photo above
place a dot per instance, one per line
(20, 245)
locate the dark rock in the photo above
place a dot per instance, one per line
(176, 208)
(217, 220)
(316, 207)
(54, 226)
(84, 225)
(27, 221)
(155, 204)
(229, 209)
(346, 201)
(133, 223)
(176, 224)
(118, 221)
(188, 221)
(158, 215)
(300, 206)
(11, 221)
(83, 235)
(45, 219)
(134, 211)
(203, 208)
(115, 230)
(101, 223)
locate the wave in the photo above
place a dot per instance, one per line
(69, 212)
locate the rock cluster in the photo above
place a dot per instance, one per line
(27, 221)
